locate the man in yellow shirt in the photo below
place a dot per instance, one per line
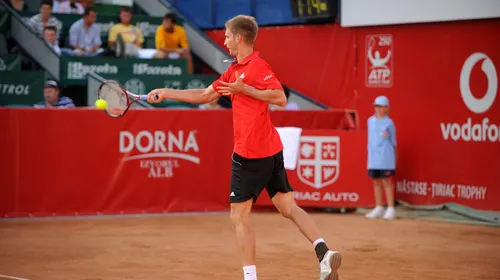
(129, 32)
(172, 42)
(128, 37)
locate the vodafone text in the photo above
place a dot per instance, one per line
(159, 152)
(458, 191)
(477, 132)
(328, 196)
(482, 131)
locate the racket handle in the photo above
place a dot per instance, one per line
(145, 97)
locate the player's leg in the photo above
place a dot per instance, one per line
(247, 182)
(280, 191)
(378, 211)
(386, 179)
(245, 238)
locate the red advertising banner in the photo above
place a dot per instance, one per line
(76, 162)
(82, 162)
(442, 82)
(331, 171)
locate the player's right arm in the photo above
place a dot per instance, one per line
(193, 96)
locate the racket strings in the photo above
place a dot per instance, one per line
(115, 98)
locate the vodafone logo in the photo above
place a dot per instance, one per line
(484, 131)
(478, 105)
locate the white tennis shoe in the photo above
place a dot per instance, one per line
(329, 266)
(390, 214)
(376, 213)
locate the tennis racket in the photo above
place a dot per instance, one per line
(117, 98)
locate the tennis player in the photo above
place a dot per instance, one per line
(258, 152)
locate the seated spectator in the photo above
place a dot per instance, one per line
(49, 35)
(52, 97)
(70, 7)
(39, 21)
(17, 5)
(172, 42)
(85, 36)
(87, 3)
(56, 5)
(126, 39)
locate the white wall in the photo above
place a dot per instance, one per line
(386, 12)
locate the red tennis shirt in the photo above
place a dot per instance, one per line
(254, 134)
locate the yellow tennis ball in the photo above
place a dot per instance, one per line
(101, 104)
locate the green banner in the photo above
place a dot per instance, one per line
(10, 62)
(142, 84)
(147, 24)
(74, 69)
(21, 87)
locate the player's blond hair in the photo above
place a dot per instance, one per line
(246, 26)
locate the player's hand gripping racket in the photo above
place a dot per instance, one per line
(117, 98)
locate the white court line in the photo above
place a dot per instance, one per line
(11, 277)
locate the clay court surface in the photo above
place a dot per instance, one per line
(202, 247)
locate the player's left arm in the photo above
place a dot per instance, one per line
(271, 96)
(266, 86)
(271, 90)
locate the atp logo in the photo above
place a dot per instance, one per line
(478, 105)
(379, 61)
(318, 165)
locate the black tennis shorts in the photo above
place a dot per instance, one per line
(380, 173)
(250, 176)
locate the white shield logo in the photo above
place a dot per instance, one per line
(319, 159)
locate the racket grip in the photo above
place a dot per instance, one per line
(145, 97)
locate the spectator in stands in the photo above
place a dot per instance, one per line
(49, 35)
(18, 5)
(56, 5)
(126, 37)
(39, 21)
(85, 36)
(172, 42)
(87, 3)
(52, 97)
(382, 158)
(70, 7)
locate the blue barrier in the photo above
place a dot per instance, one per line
(211, 14)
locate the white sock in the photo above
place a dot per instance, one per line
(378, 207)
(391, 208)
(317, 241)
(250, 272)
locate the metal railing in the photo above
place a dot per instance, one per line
(33, 44)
